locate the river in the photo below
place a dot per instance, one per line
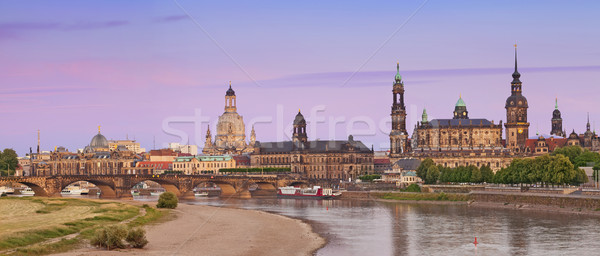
(383, 228)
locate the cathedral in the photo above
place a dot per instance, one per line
(231, 131)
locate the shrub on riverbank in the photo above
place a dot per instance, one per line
(136, 237)
(110, 237)
(425, 196)
(167, 200)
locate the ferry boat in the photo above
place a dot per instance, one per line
(316, 192)
(201, 194)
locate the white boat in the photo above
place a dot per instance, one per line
(157, 193)
(27, 191)
(201, 194)
(7, 190)
(315, 192)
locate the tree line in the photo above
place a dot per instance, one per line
(559, 168)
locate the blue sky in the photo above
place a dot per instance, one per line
(69, 66)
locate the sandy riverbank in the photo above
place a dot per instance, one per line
(206, 230)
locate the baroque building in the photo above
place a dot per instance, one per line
(96, 159)
(231, 131)
(398, 136)
(517, 127)
(320, 159)
(557, 127)
(460, 140)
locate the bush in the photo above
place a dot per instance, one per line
(110, 237)
(413, 188)
(136, 237)
(167, 200)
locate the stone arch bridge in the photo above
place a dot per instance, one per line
(119, 186)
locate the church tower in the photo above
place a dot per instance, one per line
(460, 109)
(398, 136)
(299, 134)
(557, 121)
(517, 127)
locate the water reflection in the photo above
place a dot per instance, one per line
(377, 228)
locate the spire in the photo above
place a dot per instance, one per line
(588, 128)
(98, 129)
(424, 118)
(398, 76)
(556, 103)
(516, 75)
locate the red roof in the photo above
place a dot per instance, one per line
(157, 165)
(552, 143)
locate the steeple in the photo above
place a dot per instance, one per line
(516, 75)
(398, 77)
(588, 127)
(556, 103)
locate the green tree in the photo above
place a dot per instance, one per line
(571, 152)
(586, 158)
(487, 174)
(8, 162)
(167, 200)
(476, 176)
(580, 177)
(424, 167)
(432, 175)
(562, 170)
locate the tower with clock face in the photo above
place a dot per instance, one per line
(517, 127)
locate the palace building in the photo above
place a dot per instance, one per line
(231, 131)
(460, 140)
(320, 159)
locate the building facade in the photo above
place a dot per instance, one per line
(191, 165)
(332, 159)
(129, 144)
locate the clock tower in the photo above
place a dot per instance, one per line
(517, 127)
(398, 136)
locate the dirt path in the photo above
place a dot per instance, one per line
(205, 230)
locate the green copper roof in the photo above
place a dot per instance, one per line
(424, 116)
(556, 104)
(460, 102)
(398, 76)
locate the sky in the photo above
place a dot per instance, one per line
(157, 71)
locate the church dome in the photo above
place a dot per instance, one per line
(230, 92)
(516, 100)
(460, 103)
(299, 120)
(99, 141)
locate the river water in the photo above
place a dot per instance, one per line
(383, 228)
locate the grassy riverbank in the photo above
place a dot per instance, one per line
(38, 226)
(423, 196)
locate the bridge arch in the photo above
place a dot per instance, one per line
(227, 189)
(37, 189)
(169, 186)
(107, 189)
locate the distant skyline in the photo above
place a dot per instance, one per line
(69, 66)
